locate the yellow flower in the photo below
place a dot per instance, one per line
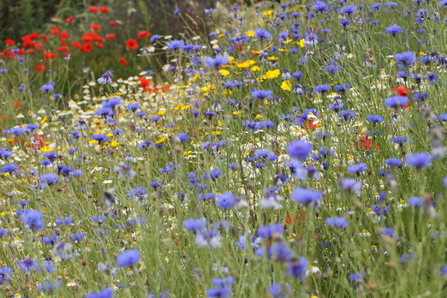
(302, 42)
(272, 58)
(268, 12)
(250, 33)
(255, 68)
(224, 72)
(245, 64)
(271, 74)
(286, 85)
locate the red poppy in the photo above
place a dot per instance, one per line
(9, 42)
(112, 23)
(104, 9)
(122, 61)
(69, 19)
(63, 42)
(37, 46)
(99, 45)
(62, 49)
(40, 67)
(110, 36)
(30, 51)
(309, 124)
(64, 34)
(21, 51)
(87, 47)
(48, 55)
(5, 118)
(401, 90)
(54, 30)
(76, 44)
(67, 55)
(365, 144)
(143, 33)
(95, 27)
(18, 105)
(239, 47)
(35, 142)
(93, 9)
(144, 83)
(132, 44)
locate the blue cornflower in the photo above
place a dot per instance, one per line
(222, 282)
(217, 61)
(394, 29)
(396, 101)
(106, 293)
(78, 236)
(443, 3)
(350, 184)
(106, 77)
(345, 22)
(218, 292)
(194, 224)
(4, 153)
(420, 96)
(280, 290)
(299, 149)
(261, 94)
(175, 44)
(47, 87)
(209, 11)
(444, 268)
(374, 119)
(348, 9)
(177, 11)
(124, 170)
(32, 219)
(269, 231)
(394, 162)
(322, 88)
(320, 6)
(182, 137)
(357, 168)
(358, 276)
(51, 155)
(10, 168)
(155, 37)
(387, 232)
(339, 222)
(298, 268)
(100, 137)
(128, 258)
(400, 139)
(226, 200)
(419, 160)
(27, 264)
(48, 287)
(5, 274)
(49, 178)
(262, 34)
(306, 197)
(406, 58)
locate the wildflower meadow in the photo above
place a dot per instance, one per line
(295, 149)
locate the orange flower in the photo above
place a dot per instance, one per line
(87, 47)
(143, 33)
(93, 9)
(132, 44)
(40, 67)
(112, 23)
(95, 27)
(54, 30)
(104, 9)
(122, 61)
(69, 19)
(10, 42)
(110, 36)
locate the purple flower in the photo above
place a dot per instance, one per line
(396, 101)
(261, 94)
(306, 197)
(419, 160)
(128, 258)
(226, 200)
(106, 77)
(262, 34)
(298, 268)
(217, 61)
(299, 149)
(32, 219)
